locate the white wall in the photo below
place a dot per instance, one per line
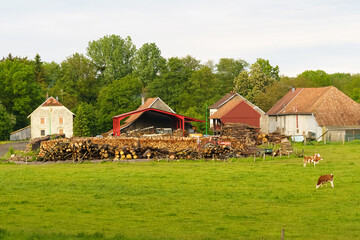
(51, 125)
(286, 124)
(212, 111)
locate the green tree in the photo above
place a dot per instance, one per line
(85, 121)
(273, 93)
(352, 89)
(227, 70)
(7, 122)
(121, 96)
(52, 73)
(254, 81)
(270, 71)
(77, 83)
(113, 57)
(173, 80)
(200, 91)
(148, 63)
(39, 72)
(317, 78)
(20, 93)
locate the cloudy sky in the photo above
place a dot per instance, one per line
(296, 35)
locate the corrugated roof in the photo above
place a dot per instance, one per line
(149, 103)
(330, 106)
(227, 107)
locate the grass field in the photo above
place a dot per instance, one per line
(239, 199)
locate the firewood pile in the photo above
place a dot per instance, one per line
(220, 152)
(275, 137)
(81, 149)
(244, 133)
(180, 133)
(250, 135)
(35, 143)
(153, 147)
(285, 148)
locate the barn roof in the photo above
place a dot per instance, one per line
(227, 97)
(149, 103)
(227, 107)
(330, 106)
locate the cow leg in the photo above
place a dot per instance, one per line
(332, 184)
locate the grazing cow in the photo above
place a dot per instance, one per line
(325, 179)
(307, 159)
(315, 159)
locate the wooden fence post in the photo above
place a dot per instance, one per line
(282, 234)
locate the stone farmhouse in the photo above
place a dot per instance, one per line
(324, 113)
(51, 117)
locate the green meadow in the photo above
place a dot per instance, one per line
(238, 199)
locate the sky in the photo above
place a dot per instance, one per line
(296, 35)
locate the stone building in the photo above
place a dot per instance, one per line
(51, 117)
(325, 113)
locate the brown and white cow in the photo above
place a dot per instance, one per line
(325, 179)
(312, 159)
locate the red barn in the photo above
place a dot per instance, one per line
(233, 108)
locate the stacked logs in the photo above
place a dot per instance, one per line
(220, 152)
(243, 132)
(81, 149)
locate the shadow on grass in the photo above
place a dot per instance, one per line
(7, 235)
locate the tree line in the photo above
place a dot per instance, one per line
(114, 75)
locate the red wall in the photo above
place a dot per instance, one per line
(242, 113)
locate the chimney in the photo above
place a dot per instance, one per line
(142, 99)
(57, 98)
(293, 89)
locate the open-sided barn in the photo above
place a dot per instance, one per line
(155, 115)
(325, 113)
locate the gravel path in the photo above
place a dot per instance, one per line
(4, 148)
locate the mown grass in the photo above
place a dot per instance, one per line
(238, 199)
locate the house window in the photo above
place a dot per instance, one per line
(42, 132)
(61, 120)
(61, 131)
(42, 120)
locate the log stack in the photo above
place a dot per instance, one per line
(81, 149)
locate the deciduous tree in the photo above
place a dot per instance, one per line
(7, 122)
(121, 96)
(113, 57)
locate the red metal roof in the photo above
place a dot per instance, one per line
(181, 119)
(187, 119)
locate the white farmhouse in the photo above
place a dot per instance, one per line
(325, 113)
(51, 117)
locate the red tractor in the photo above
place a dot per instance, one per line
(216, 141)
